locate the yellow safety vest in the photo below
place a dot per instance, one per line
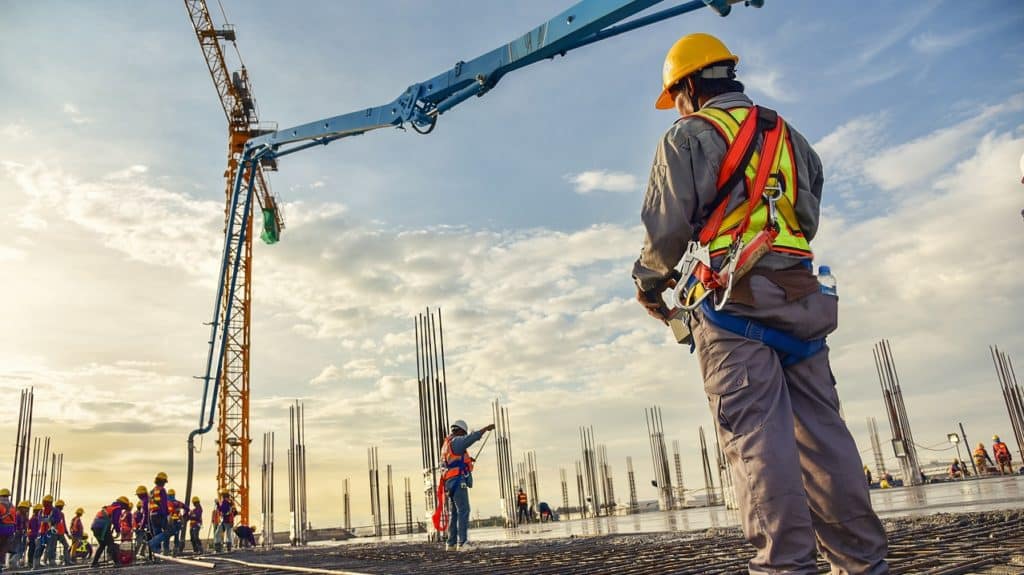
(790, 239)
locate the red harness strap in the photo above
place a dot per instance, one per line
(731, 163)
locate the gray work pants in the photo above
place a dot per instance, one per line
(458, 522)
(795, 467)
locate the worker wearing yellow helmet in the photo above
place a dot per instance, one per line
(8, 522)
(60, 528)
(105, 525)
(77, 530)
(733, 199)
(1002, 454)
(159, 514)
(33, 533)
(195, 526)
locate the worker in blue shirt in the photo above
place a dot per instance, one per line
(458, 479)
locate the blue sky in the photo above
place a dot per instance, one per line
(113, 147)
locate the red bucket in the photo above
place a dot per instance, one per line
(125, 554)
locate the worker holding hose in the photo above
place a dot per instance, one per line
(738, 202)
(458, 479)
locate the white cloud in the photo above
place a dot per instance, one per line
(603, 181)
(329, 374)
(770, 83)
(845, 150)
(147, 223)
(75, 115)
(15, 131)
(931, 43)
(918, 160)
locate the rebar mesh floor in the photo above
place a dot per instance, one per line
(944, 544)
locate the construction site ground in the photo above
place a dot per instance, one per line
(938, 544)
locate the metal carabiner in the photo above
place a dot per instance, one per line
(727, 272)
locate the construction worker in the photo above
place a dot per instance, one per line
(981, 458)
(223, 524)
(195, 526)
(60, 536)
(956, 470)
(142, 522)
(159, 512)
(46, 533)
(108, 521)
(522, 506)
(867, 474)
(246, 536)
(173, 522)
(793, 460)
(20, 535)
(8, 524)
(546, 512)
(1002, 455)
(33, 533)
(458, 479)
(77, 532)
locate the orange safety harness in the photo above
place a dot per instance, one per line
(741, 256)
(1001, 451)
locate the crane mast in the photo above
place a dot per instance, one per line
(236, 98)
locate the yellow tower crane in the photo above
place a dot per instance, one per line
(236, 98)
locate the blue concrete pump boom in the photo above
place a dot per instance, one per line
(420, 105)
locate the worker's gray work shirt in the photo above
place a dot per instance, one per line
(460, 445)
(682, 186)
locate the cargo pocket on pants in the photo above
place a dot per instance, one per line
(727, 396)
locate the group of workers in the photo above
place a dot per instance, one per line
(525, 512)
(29, 534)
(1003, 463)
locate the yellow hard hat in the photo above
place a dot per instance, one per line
(138, 504)
(160, 477)
(24, 505)
(689, 54)
(995, 438)
(141, 490)
(79, 511)
(5, 492)
(124, 501)
(59, 503)
(195, 499)
(37, 507)
(223, 491)
(48, 499)
(170, 492)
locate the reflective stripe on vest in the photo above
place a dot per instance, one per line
(790, 239)
(456, 464)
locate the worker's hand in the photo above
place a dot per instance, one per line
(653, 302)
(487, 427)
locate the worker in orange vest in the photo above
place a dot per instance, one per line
(77, 532)
(8, 523)
(1002, 454)
(106, 523)
(733, 198)
(981, 459)
(522, 506)
(61, 526)
(458, 479)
